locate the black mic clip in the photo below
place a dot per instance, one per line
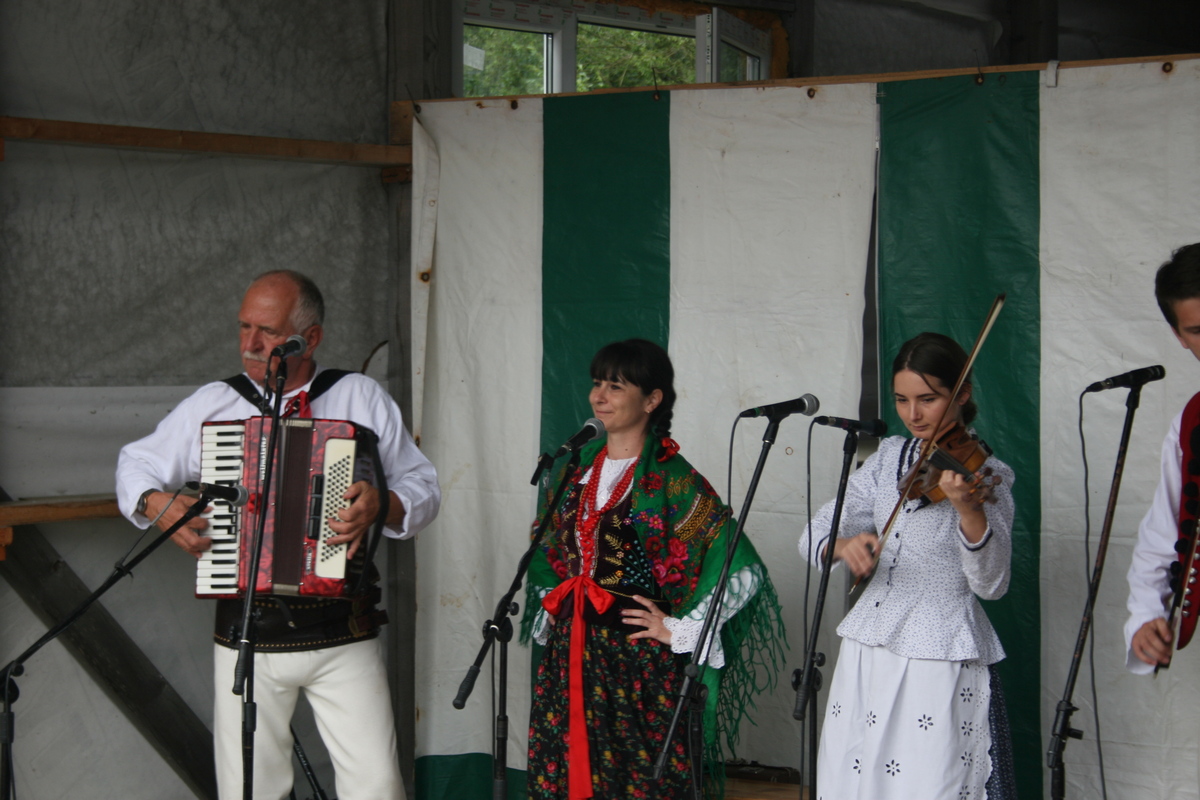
(294, 345)
(875, 427)
(1135, 378)
(590, 430)
(805, 404)
(236, 495)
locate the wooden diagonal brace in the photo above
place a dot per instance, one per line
(52, 589)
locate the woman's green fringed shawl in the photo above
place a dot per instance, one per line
(685, 528)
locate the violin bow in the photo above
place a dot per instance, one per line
(930, 445)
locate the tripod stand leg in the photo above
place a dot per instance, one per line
(695, 746)
(813, 745)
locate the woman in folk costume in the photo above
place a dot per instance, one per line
(915, 709)
(641, 537)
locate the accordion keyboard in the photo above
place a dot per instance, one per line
(220, 463)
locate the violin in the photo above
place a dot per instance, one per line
(958, 450)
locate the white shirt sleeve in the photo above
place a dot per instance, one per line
(170, 455)
(988, 562)
(409, 473)
(542, 623)
(858, 510)
(1149, 590)
(685, 632)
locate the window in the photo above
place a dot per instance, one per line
(511, 48)
(609, 57)
(499, 61)
(738, 65)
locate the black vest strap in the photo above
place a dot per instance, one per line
(320, 385)
(245, 387)
(325, 381)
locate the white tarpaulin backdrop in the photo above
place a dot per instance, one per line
(1120, 162)
(770, 205)
(770, 214)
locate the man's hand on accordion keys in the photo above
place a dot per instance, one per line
(190, 537)
(353, 522)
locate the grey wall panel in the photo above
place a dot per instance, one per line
(71, 740)
(121, 273)
(127, 268)
(308, 69)
(875, 36)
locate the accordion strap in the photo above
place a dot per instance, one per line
(320, 385)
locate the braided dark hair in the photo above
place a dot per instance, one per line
(645, 365)
(932, 354)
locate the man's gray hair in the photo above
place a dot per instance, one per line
(310, 305)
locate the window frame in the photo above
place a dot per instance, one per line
(559, 62)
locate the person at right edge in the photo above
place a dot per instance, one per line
(1149, 639)
(639, 542)
(915, 710)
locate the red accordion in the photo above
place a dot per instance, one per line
(317, 460)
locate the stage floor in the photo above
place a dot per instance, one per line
(739, 789)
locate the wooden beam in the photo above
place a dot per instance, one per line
(218, 144)
(781, 6)
(53, 509)
(47, 583)
(834, 80)
(37, 510)
(400, 122)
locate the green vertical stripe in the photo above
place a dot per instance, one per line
(958, 224)
(606, 260)
(464, 777)
(606, 272)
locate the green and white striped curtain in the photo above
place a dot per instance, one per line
(733, 225)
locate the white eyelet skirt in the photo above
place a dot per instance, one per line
(904, 728)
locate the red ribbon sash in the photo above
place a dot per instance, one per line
(299, 406)
(579, 768)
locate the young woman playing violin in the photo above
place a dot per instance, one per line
(915, 709)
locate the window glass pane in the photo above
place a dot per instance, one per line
(608, 57)
(738, 65)
(497, 61)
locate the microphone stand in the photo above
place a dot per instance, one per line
(16, 667)
(243, 672)
(499, 629)
(807, 680)
(692, 693)
(1062, 730)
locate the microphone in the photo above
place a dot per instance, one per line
(807, 404)
(236, 495)
(294, 346)
(875, 427)
(590, 430)
(1135, 377)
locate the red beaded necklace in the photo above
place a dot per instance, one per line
(585, 528)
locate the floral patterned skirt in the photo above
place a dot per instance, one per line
(630, 692)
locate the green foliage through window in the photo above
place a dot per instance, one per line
(610, 57)
(497, 61)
